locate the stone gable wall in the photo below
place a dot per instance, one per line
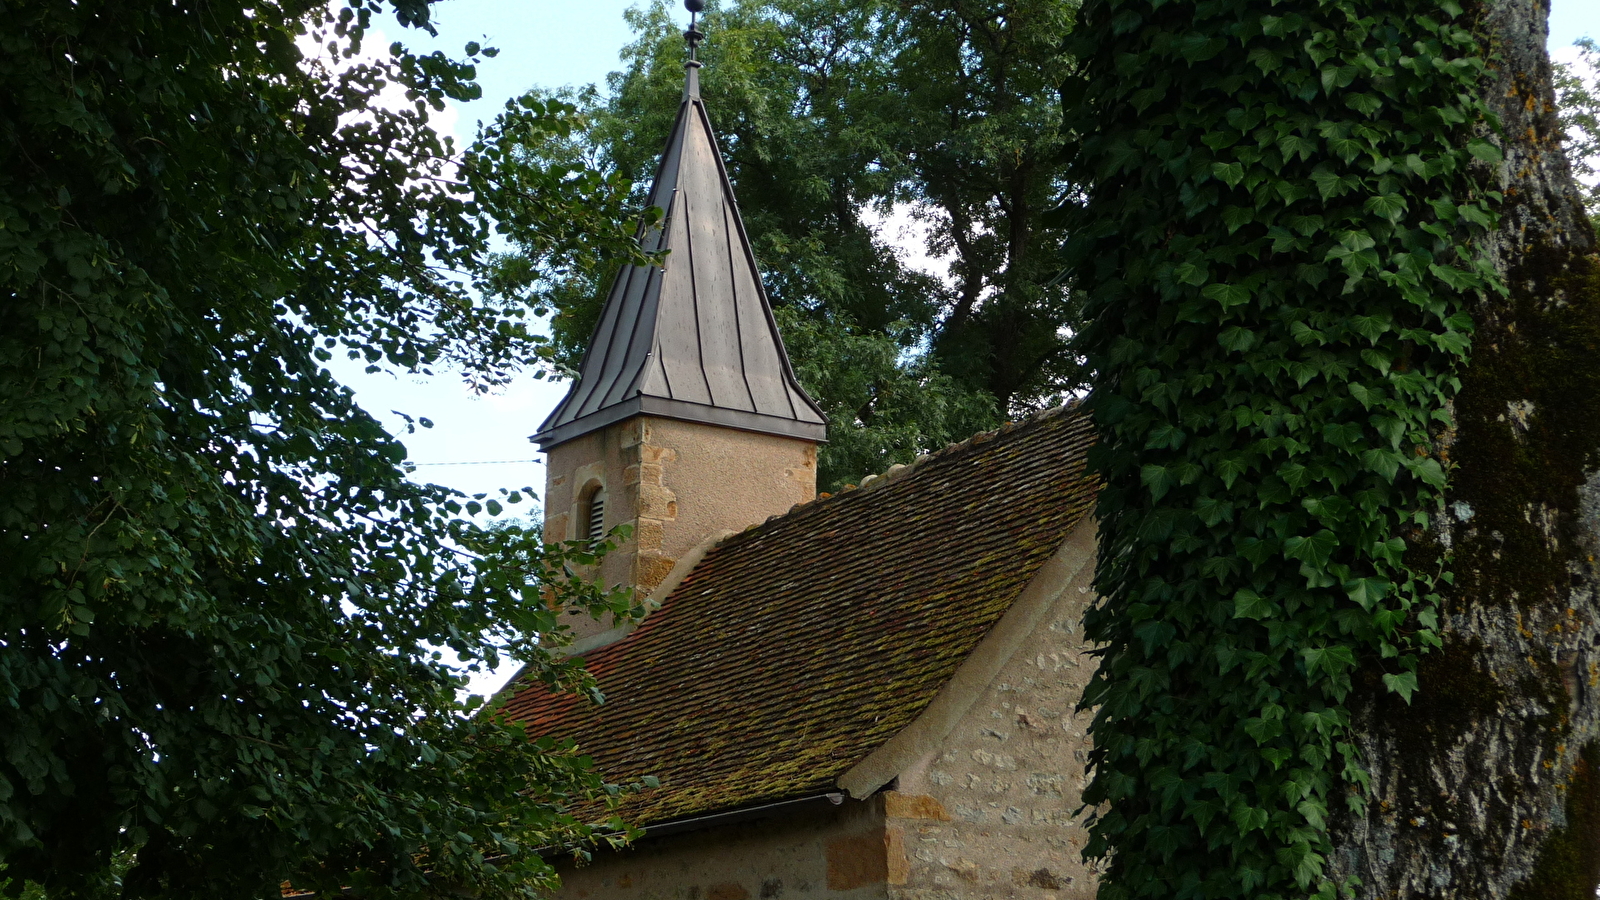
(989, 812)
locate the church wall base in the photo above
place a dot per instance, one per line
(833, 854)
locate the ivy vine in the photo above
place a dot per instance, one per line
(1277, 245)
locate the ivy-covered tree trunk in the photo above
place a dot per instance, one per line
(1486, 784)
(1345, 335)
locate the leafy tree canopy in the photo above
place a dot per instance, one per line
(220, 600)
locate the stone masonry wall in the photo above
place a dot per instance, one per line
(989, 812)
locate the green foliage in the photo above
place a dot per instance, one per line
(831, 115)
(970, 101)
(1276, 245)
(881, 408)
(220, 599)
(1578, 96)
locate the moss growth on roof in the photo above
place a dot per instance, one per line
(799, 646)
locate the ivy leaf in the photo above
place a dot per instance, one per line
(1356, 240)
(1333, 659)
(1404, 684)
(1385, 463)
(1263, 730)
(1248, 604)
(1314, 549)
(1248, 818)
(1189, 273)
(1363, 394)
(1229, 173)
(1308, 868)
(1329, 182)
(1485, 151)
(1165, 436)
(1231, 467)
(1390, 551)
(1475, 214)
(1427, 468)
(1345, 148)
(1368, 592)
(1158, 479)
(1391, 428)
(1226, 295)
(1315, 812)
(1237, 338)
(1389, 206)
(1277, 756)
(1366, 104)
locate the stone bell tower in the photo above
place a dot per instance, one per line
(686, 420)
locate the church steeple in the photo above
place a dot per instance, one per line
(686, 420)
(693, 339)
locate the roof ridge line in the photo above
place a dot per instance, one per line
(899, 470)
(878, 479)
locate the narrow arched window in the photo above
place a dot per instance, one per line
(594, 515)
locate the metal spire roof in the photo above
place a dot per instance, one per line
(693, 339)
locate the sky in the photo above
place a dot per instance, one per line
(480, 443)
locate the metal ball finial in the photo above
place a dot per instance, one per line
(693, 35)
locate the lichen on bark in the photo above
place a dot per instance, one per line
(1568, 866)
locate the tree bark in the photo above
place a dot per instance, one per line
(1488, 784)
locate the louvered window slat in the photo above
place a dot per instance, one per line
(597, 516)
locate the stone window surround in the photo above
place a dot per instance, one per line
(587, 480)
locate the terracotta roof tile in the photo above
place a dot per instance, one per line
(800, 645)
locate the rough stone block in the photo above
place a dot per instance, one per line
(897, 863)
(857, 861)
(650, 569)
(647, 534)
(913, 806)
(1045, 784)
(657, 502)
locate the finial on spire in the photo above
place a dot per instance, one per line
(693, 35)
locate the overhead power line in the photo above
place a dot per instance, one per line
(476, 462)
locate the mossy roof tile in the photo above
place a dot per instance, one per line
(797, 647)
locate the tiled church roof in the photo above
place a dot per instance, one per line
(797, 647)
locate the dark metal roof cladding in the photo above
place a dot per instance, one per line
(693, 339)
